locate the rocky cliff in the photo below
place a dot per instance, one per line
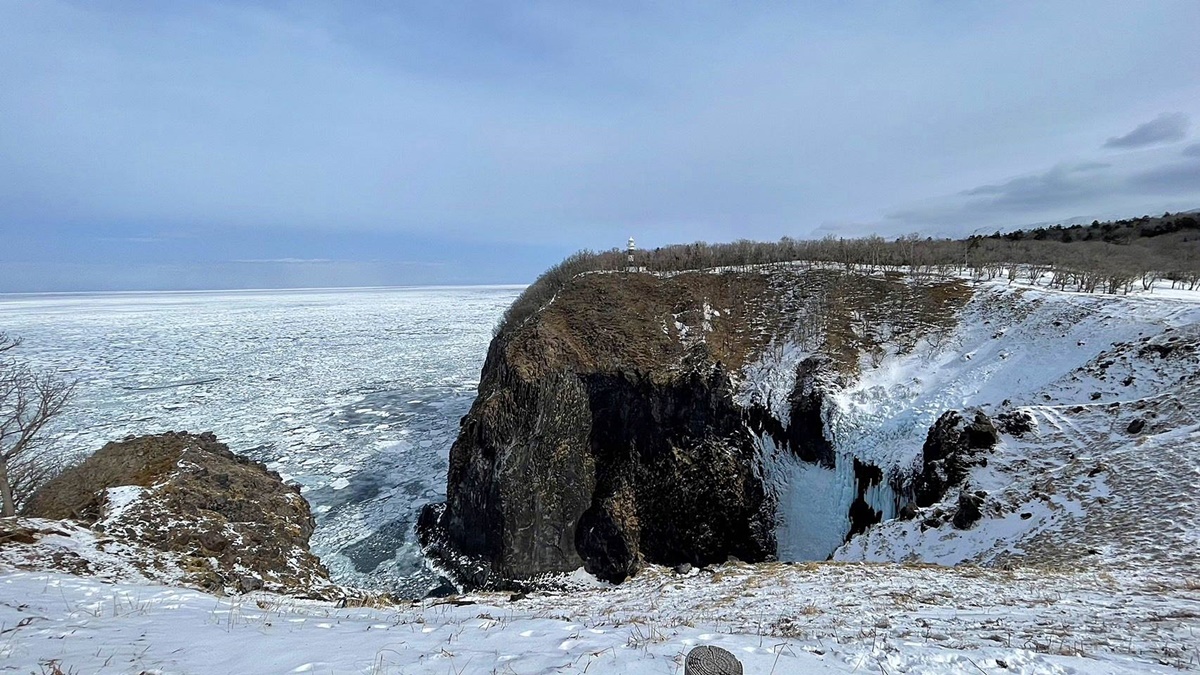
(177, 508)
(805, 413)
(628, 421)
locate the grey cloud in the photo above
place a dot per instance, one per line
(1176, 178)
(1143, 185)
(1192, 150)
(1062, 184)
(1166, 128)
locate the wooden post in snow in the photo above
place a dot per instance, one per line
(707, 660)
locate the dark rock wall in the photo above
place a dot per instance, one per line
(954, 445)
(606, 470)
(520, 475)
(862, 514)
(677, 479)
(611, 470)
(806, 436)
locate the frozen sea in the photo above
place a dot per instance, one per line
(354, 394)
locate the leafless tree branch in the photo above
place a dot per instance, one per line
(28, 402)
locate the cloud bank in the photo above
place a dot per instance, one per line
(150, 134)
(1166, 128)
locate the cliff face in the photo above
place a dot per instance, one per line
(615, 427)
(602, 437)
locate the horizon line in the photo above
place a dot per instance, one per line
(297, 289)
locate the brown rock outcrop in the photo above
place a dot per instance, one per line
(227, 523)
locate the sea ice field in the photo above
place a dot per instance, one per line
(354, 394)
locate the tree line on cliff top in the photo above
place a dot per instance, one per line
(1113, 257)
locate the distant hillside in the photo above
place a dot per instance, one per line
(1116, 231)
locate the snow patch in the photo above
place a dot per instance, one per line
(118, 499)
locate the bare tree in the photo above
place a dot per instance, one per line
(28, 401)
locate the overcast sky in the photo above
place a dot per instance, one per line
(158, 145)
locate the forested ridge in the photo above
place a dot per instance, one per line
(1110, 257)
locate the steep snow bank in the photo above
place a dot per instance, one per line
(1013, 348)
(1017, 344)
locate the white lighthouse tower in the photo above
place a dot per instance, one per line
(632, 247)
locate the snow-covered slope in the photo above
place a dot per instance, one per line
(1080, 367)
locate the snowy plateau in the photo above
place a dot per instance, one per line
(1085, 559)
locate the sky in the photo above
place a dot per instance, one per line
(163, 145)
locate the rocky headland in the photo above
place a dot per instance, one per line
(796, 412)
(619, 425)
(175, 508)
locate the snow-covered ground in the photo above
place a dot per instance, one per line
(1082, 368)
(814, 618)
(355, 394)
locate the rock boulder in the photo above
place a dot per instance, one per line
(954, 445)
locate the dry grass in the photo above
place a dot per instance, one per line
(77, 491)
(608, 322)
